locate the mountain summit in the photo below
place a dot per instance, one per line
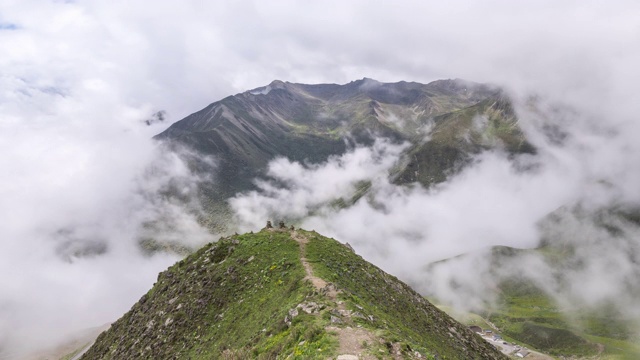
(284, 294)
(445, 123)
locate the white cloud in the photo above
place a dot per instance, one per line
(77, 79)
(497, 200)
(297, 190)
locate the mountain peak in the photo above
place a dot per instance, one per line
(278, 84)
(365, 81)
(279, 294)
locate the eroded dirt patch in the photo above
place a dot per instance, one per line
(355, 341)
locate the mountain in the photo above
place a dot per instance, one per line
(284, 294)
(312, 122)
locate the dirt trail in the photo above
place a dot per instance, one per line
(318, 283)
(353, 340)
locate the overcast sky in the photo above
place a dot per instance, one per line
(78, 78)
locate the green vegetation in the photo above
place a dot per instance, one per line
(527, 315)
(458, 135)
(309, 123)
(246, 297)
(379, 296)
(530, 316)
(229, 297)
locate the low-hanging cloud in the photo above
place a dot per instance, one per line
(78, 197)
(86, 255)
(498, 200)
(295, 190)
(79, 79)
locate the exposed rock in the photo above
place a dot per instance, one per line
(309, 307)
(293, 312)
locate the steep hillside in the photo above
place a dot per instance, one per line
(456, 136)
(283, 294)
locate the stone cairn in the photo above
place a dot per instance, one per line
(281, 225)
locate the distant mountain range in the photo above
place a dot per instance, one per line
(312, 122)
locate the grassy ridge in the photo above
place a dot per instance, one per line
(241, 298)
(389, 304)
(229, 298)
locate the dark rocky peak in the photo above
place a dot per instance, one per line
(264, 90)
(366, 82)
(278, 84)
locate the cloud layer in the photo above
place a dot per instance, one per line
(78, 80)
(583, 170)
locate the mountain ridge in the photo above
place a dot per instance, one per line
(282, 294)
(445, 123)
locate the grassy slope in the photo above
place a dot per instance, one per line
(223, 301)
(529, 316)
(402, 313)
(230, 300)
(458, 135)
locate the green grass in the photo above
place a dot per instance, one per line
(617, 349)
(231, 300)
(525, 314)
(388, 304)
(529, 316)
(228, 299)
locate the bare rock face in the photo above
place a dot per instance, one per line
(348, 246)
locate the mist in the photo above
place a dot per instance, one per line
(82, 182)
(568, 193)
(72, 252)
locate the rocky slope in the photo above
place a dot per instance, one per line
(280, 294)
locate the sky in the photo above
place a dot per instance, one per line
(78, 79)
